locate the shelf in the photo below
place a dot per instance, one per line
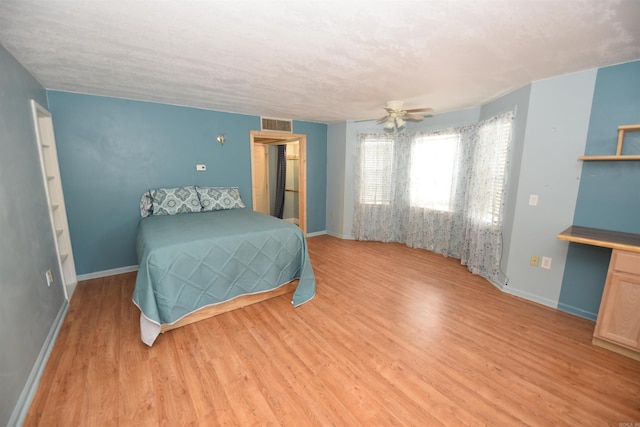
(50, 176)
(628, 128)
(611, 157)
(618, 156)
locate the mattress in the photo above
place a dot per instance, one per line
(194, 260)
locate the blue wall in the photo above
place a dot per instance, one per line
(608, 197)
(30, 311)
(112, 150)
(554, 135)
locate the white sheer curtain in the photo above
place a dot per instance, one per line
(485, 196)
(443, 191)
(380, 187)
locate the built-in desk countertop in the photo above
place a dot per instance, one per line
(605, 238)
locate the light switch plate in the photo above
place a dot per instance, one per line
(49, 276)
(201, 167)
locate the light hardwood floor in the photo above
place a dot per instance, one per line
(394, 336)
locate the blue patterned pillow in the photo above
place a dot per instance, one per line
(218, 198)
(171, 201)
(146, 204)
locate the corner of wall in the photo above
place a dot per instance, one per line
(28, 392)
(555, 134)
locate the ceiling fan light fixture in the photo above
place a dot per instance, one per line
(397, 117)
(389, 124)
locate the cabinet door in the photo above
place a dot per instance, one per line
(619, 316)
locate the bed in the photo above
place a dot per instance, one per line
(198, 264)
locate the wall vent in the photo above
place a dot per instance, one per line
(278, 125)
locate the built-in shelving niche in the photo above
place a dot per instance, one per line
(55, 197)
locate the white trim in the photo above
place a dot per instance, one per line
(341, 236)
(530, 297)
(317, 233)
(105, 273)
(24, 401)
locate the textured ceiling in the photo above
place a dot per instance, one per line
(323, 61)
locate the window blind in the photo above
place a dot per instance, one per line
(376, 170)
(494, 143)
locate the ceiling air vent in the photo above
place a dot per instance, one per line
(278, 125)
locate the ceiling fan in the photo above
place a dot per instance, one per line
(396, 116)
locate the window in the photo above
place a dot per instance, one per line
(376, 167)
(433, 177)
(493, 148)
(434, 190)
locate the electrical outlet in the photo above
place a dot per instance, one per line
(49, 276)
(535, 260)
(546, 263)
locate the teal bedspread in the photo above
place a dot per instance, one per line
(189, 261)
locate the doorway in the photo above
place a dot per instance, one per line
(261, 143)
(260, 182)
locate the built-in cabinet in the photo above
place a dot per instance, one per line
(619, 316)
(618, 323)
(55, 197)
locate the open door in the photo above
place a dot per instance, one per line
(260, 140)
(260, 181)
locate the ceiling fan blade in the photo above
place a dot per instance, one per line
(412, 117)
(420, 110)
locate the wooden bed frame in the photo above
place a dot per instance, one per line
(224, 307)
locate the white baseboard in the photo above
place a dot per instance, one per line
(551, 303)
(317, 233)
(530, 297)
(105, 273)
(341, 236)
(24, 401)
